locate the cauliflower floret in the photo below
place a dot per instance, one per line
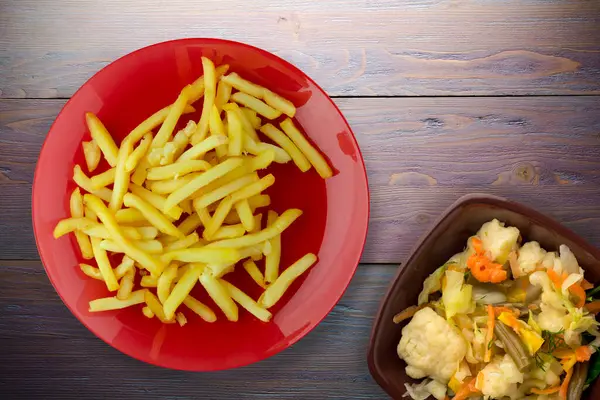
(499, 378)
(530, 255)
(553, 310)
(431, 347)
(498, 240)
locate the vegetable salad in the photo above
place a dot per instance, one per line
(503, 320)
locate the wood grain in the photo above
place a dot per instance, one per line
(47, 353)
(351, 47)
(421, 155)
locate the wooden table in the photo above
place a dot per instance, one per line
(446, 97)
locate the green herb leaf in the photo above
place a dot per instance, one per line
(490, 344)
(592, 292)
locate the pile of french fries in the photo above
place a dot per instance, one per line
(163, 189)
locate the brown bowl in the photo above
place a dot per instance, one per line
(448, 237)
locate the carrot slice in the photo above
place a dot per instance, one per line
(466, 390)
(586, 285)
(593, 307)
(555, 278)
(564, 387)
(577, 291)
(583, 353)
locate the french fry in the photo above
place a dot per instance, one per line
(254, 272)
(155, 217)
(177, 169)
(229, 231)
(223, 94)
(189, 224)
(154, 305)
(148, 246)
(100, 231)
(203, 147)
(91, 153)
(147, 312)
(217, 128)
(252, 147)
(121, 183)
(218, 217)
(210, 89)
(126, 264)
(312, 154)
(171, 185)
(257, 221)
(255, 104)
(154, 121)
(247, 302)
(126, 285)
(86, 184)
(91, 271)
(253, 189)
(187, 206)
(102, 138)
(204, 216)
(279, 103)
(220, 296)
(68, 225)
(204, 255)
(252, 117)
(274, 291)
(163, 287)
(183, 243)
(112, 303)
(147, 232)
(149, 281)
(235, 133)
(200, 308)
(200, 181)
(211, 197)
(166, 129)
(247, 126)
(282, 140)
(104, 179)
(139, 152)
(243, 209)
(281, 224)
(157, 201)
(108, 275)
(182, 289)
(261, 200)
(243, 85)
(76, 206)
(108, 219)
(173, 149)
(130, 216)
(181, 319)
(197, 91)
(273, 258)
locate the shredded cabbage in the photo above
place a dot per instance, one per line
(457, 296)
(432, 284)
(424, 389)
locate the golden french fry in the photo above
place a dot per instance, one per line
(261, 200)
(104, 179)
(139, 152)
(218, 217)
(147, 232)
(200, 308)
(281, 224)
(243, 209)
(312, 154)
(247, 126)
(171, 185)
(211, 197)
(147, 312)
(149, 281)
(279, 103)
(210, 89)
(163, 287)
(100, 231)
(148, 246)
(166, 129)
(102, 138)
(204, 255)
(155, 217)
(68, 225)
(253, 189)
(197, 91)
(121, 183)
(108, 219)
(204, 216)
(220, 296)
(126, 285)
(235, 133)
(219, 270)
(254, 272)
(154, 121)
(91, 153)
(173, 149)
(108, 275)
(281, 156)
(243, 85)
(83, 241)
(256, 105)
(203, 147)
(181, 319)
(183, 243)
(112, 303)
(182, 289)
(177, 169)
(130, 216)
(228, 232)
(273, 258)
(187, 206)
(223, 94)
(190, 224)
(252, 117)
(274, 291)
(91, 271)
(217, 128)
(154, 304)
(282, 140)
(247, 302)
(125, 265)
(202, 180)
(257, 221)
(86, 184)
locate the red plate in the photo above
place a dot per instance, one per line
(334, 223)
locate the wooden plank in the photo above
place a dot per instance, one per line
(52, 356)
(421, 155)
(351, 47)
